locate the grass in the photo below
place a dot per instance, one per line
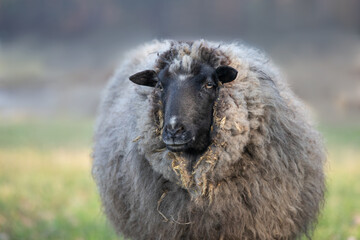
(339, 137)
(46, 134)
(47, 192)
(340, 218)
(46, 188)
(49, 195)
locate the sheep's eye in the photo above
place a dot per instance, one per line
(160, 86)
(209, 85)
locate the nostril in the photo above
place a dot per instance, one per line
(179, 130)
(176, 130)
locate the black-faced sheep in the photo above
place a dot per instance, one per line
(213, 146)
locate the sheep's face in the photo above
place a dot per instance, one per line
(187, 103)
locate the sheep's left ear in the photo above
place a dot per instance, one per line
(226, 74)
(146, 78)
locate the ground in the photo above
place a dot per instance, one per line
(47, 192)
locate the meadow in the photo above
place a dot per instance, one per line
(47, 192)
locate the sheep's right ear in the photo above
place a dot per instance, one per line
(146, 78)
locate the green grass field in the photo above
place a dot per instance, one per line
(47, 192)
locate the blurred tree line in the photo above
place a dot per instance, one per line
(72, 18)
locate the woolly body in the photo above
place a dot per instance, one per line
(260, 178)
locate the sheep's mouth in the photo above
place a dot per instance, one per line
(177, 147)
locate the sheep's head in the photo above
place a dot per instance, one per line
(187, 100)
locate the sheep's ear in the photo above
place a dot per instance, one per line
(226, 74)
(146, 78)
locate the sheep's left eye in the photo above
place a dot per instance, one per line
(209, 85)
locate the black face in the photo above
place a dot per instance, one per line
(188, 101)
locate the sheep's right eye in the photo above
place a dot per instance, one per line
(209, 85)
(160, 86)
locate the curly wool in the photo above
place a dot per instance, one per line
(261, 177)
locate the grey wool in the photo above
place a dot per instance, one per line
(261, 177)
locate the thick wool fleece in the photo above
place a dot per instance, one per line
(261, 177)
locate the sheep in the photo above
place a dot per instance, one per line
(205, 140)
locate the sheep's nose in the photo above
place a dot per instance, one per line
(174, 130)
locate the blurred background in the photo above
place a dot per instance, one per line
(56, 57)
